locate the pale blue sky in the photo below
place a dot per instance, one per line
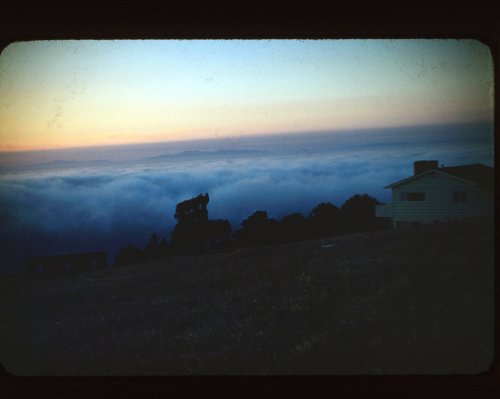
(56, 94)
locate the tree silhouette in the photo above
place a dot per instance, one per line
(324, 220)
(257, 229)
(156, 247)
(358, 213)
(218, 232)
(163, 248)
(190, 234)
(194, 233)
(193, 210)
(153, 243)
(293, 228)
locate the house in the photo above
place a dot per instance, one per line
(436, 194)
(67, 263)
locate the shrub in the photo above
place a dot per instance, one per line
(257, 229)
(324, 220)
(358, 213)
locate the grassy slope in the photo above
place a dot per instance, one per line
(418, 301)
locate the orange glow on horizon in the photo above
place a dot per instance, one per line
(90, 93)
(155, 138)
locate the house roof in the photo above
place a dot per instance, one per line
(478, 174)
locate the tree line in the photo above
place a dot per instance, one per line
(195, 233)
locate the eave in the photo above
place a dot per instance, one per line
(426, 173)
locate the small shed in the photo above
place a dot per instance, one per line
(66, 263)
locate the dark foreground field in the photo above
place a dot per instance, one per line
(411, 302)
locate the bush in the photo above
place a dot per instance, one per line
(358, 213)
(156, 247)
(258, 230)
(218, 232)
(324, 220)
(194, 233)
(293, 228)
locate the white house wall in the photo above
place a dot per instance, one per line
(438, 204)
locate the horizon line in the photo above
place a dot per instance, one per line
(253, 135)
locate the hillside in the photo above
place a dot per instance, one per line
(388, 302)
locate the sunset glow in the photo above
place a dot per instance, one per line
(57, 94)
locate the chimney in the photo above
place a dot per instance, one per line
(423, 166)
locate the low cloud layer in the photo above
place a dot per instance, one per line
(88, 209)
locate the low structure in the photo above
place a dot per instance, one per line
(435, 194)
(67, 263)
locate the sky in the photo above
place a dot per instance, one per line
(85, 93)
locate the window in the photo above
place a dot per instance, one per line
(459, 196)
(416, 196)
